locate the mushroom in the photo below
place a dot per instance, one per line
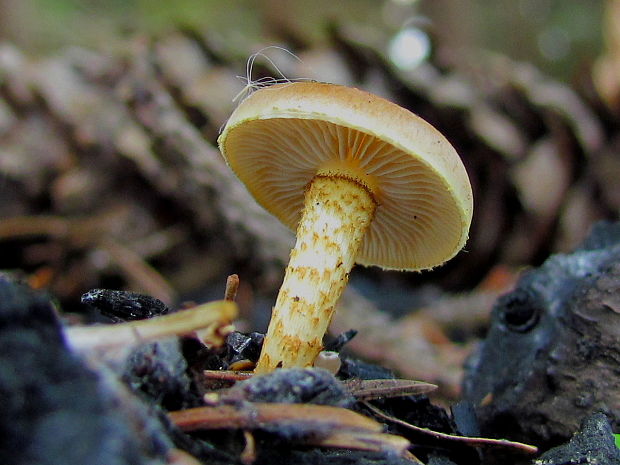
(361, 179)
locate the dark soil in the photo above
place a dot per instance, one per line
(544, 370)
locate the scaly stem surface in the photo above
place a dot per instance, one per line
(337, 213)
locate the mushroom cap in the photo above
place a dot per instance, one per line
(280, 137)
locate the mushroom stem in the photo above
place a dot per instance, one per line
(337, 213)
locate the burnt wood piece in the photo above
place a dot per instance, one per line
(552, 353)
(54, 408)
(124, 305)
(593, 443)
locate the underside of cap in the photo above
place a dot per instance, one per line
(281, 137)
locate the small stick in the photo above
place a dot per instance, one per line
(367, 389)
(248, 456)
(372, 442)
(216, 380)
(471, 441)
(308, 417)
(180, 457)
(213, 315)
(242, 365)
(361, 389)
(227, 375)
(319, 425)
(232, 285)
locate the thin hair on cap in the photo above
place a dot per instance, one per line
(252, 85)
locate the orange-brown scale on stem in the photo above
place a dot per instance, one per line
(341, 210)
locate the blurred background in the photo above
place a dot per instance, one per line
(110, 176)
(557, 36)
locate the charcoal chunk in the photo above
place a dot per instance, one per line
(592, 444)
(292, 386)
(552, 351)
(55, 409)
(123, 305)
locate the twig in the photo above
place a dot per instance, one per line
(474, 442)
(361, 389)
(26, 226)
(265, 415)
(232, 285)
(227, 375)
(319, 425)
(367, 389)
(180, 457)
(213, 315)
(372, 442)
(248, 455)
